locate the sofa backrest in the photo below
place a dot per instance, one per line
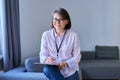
(88, 55)
(101, 52)
(107, 52)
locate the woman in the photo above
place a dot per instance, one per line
(60, 49)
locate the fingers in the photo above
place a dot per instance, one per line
(49, 60)
(62, 65)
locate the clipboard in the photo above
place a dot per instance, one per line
(45, 63)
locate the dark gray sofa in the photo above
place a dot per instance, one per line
(103, 63)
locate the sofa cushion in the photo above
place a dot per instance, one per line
(107, 52)
(31, 65)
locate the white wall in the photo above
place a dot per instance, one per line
(97, 22)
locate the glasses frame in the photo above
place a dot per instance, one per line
(58, 20)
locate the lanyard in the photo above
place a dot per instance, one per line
(58, 48)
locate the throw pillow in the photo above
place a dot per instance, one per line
(107, 52)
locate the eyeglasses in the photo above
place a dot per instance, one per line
(59, 20)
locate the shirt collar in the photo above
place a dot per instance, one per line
(57, 34)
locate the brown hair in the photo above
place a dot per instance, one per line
(62, 12)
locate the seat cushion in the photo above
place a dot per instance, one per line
(100, 69)
(20, 73)
(107, 52)
(32, 64)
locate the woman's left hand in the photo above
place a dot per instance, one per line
(62, 65)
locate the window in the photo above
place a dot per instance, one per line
(0, 39)
(2, 19)
(0, 29)
(1, 24)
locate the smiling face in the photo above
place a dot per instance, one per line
(59, 23)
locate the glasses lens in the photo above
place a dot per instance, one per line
(59, 20)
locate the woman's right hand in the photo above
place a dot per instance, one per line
(49, 60)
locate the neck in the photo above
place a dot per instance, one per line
(59, 32)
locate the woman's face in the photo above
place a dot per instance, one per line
(58, 22)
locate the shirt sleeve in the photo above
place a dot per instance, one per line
(76, 53)
(44, 51)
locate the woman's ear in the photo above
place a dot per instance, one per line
(67, 21)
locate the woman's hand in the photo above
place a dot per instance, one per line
(50, 60)
(62, 65)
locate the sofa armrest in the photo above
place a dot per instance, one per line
(31, 66)
(88, 55)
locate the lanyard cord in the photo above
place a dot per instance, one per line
(58, 48)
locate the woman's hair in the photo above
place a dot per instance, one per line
(64, 14)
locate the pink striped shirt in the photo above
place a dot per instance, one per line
(69, 50)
